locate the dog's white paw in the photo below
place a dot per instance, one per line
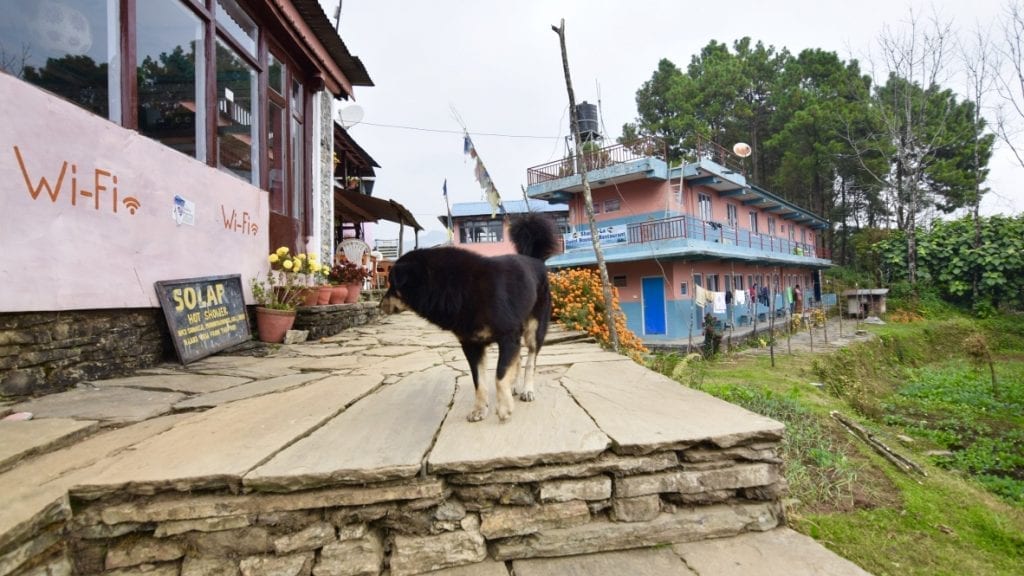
(477, 414)
(526, 396)
(504, 412)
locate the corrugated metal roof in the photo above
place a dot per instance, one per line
(318, 21)
(511, 207)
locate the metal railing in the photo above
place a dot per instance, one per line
(597, 158)
(720, 155)
(695, 229)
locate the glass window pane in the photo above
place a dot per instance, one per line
(233, 20)
(275, 74)
(298, 182)
(277, 119)
(170, 76)
(297, 101)
(237, 137)
(69, 48)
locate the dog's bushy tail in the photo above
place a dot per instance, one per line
(534, 235)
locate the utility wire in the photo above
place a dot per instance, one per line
(439, 131)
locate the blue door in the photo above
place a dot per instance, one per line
(654, 305)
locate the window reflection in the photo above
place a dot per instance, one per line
(67, 47)
(171, 102)
(481, 231)
(233, 20)
(236, 122)
(277, 120)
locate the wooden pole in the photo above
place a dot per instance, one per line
(401, 235)
(588, 200)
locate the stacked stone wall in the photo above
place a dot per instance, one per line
(428, 523)
(44, 352)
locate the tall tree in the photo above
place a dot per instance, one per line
(911, 110)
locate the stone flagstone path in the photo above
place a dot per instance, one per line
(352, 454)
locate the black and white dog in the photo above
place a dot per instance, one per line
(483, 300)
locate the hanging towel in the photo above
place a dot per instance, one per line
(789, 295)
(699, 296)
(740, 298)
(719, 302)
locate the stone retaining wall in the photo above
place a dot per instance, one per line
(46, 352)
(426, 523)
(43, 352)
(323, 321)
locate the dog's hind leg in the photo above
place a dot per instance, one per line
(526, 394)
(476, 355)
(508, 370)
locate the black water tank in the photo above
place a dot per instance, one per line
(586, 114)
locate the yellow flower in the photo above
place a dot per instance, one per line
(287, 265)
(274, 258)
(301, 256)
(312, 257)
(282, 251)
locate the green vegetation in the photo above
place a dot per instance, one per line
(916, 381)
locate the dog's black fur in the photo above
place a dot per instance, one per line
(482, 301)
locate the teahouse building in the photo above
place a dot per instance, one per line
(154, 140)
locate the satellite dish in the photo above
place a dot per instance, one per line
(741, 149)
(350, 116)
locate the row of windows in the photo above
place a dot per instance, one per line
(157, 79)
(705, 213)
(725, 282)
(493, 230)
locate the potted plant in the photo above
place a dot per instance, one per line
(276, 298)
(307, 268)
(339, 290)
(351, 275)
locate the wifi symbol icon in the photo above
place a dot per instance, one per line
(132, 204)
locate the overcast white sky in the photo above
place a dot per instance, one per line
(498, 64)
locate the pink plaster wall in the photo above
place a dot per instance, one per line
(70, 239)
(641, 197)
(485, 248)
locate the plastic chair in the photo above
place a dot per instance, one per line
(358, 252)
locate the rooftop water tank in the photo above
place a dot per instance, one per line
(586, 114)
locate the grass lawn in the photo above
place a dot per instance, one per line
(913, 381)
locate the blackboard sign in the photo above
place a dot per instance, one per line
(205, 315)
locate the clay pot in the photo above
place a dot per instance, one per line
(310, 296)
(353, 293)
(271, 325)
(338, 294)
(323, 295)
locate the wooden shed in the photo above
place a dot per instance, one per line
(865, 301)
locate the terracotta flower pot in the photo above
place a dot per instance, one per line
(338, 294)
(310, 296)
(323, 295)
(271, 324)
(353, 293)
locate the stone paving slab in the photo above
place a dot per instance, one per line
(415, 362)
(217, 447)
(384, 436)
(485, 568)
(109, 405)
(257, 388)
(32, 487)
(21, 439)
(643, 562)
(643, 411)
(246, 366)
(552, 429)
(779, 552)
(595, 356)
(175, 382)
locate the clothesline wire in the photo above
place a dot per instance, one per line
(441, 131)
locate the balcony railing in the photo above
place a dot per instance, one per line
(711, 150)
(696, 229)
(596, 159)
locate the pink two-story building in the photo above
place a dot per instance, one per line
(666, 230)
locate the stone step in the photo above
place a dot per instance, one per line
(21, 439)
